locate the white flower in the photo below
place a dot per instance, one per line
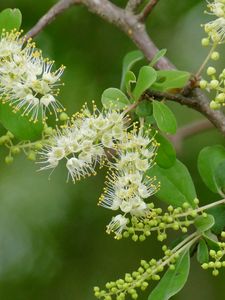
(217, 8)
(26, 78)
(216, 30)
(117, 225)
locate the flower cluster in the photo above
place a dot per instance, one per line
(82, 143)
(217, 257)
(27, 81)
(216, 29)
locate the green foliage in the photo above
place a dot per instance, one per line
(164, 117)
(220, 178)
(19, 125)
(129, 79)
(157, 57)
(10, 19)
(176, 185)
(166, 154)
(208, 160)
(202, 252)
(114, 98)
(146, 77)
(219, 215)
(211, 240)
(144, 109)
(170, 79)
(128, 62)
(204, 223)
(173, 280)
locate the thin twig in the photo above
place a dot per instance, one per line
(147, 10)
(189, 131)
(55, 10)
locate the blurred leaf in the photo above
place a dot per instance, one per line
(208, 160)
(170, 79)
(173, 280)
(128, 62)
(146, 77)
(19, 125)
(203, 223)
(202, 252)
(144, 109)
(129, 79)
(166, 154)
(10, 19)
(176, 184)
(114, 98)
(220, 177)
(157, 57)
(164, 117)
(218, 213)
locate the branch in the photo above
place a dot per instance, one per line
(57, 9)
(132, 5)
(147, 10)
(197, 101)
(188, 131)
(129, 23)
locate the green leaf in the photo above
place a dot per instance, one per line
(146, 77)
(211, 240)
(203, 223)
(173, 280)
(129, 79)
(208, 160)
(170, 79)
(19, 125)
(218, 213)
(114, 98)
(176, 184)
(164, 117)
(166, 154)
(157, 57)
(10, 19)
(220, 178)
(202, 252)
(144, 109)
(128, 62)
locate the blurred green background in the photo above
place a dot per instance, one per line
(52, 239)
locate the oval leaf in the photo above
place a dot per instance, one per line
(146, 77)
(220, 178)
(208, 160)
(157, 57)
(203, 223)
(164, 117)
(218, 213)
(19, 125)
(166, 154)
(170, 79)
(202, 252)
(176, 184)
(128, 62)
(173, 280)
(10, 19)
(114, 98)
(144, 109)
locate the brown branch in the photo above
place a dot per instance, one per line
(57, 9)
(135, 29)
(132, 5)
(147, 10)
(188, 131)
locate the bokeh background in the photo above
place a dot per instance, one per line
(53, 244)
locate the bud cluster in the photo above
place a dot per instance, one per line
(217, 258)
(27, 81)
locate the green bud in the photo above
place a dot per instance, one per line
(223, 234)
(214, 105)
(48, 130)
(205, 42)
(214, 84)
(203, 84)
(9, 134)
(63, 117)
(135, 237)
(38, 146)
(4, 139)
(215, 55)
(8, 160)
(211, 71)
(220, 98)
(215, 272)
(15, 150)
(31, 156)
(205, 266)
(142, 238)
